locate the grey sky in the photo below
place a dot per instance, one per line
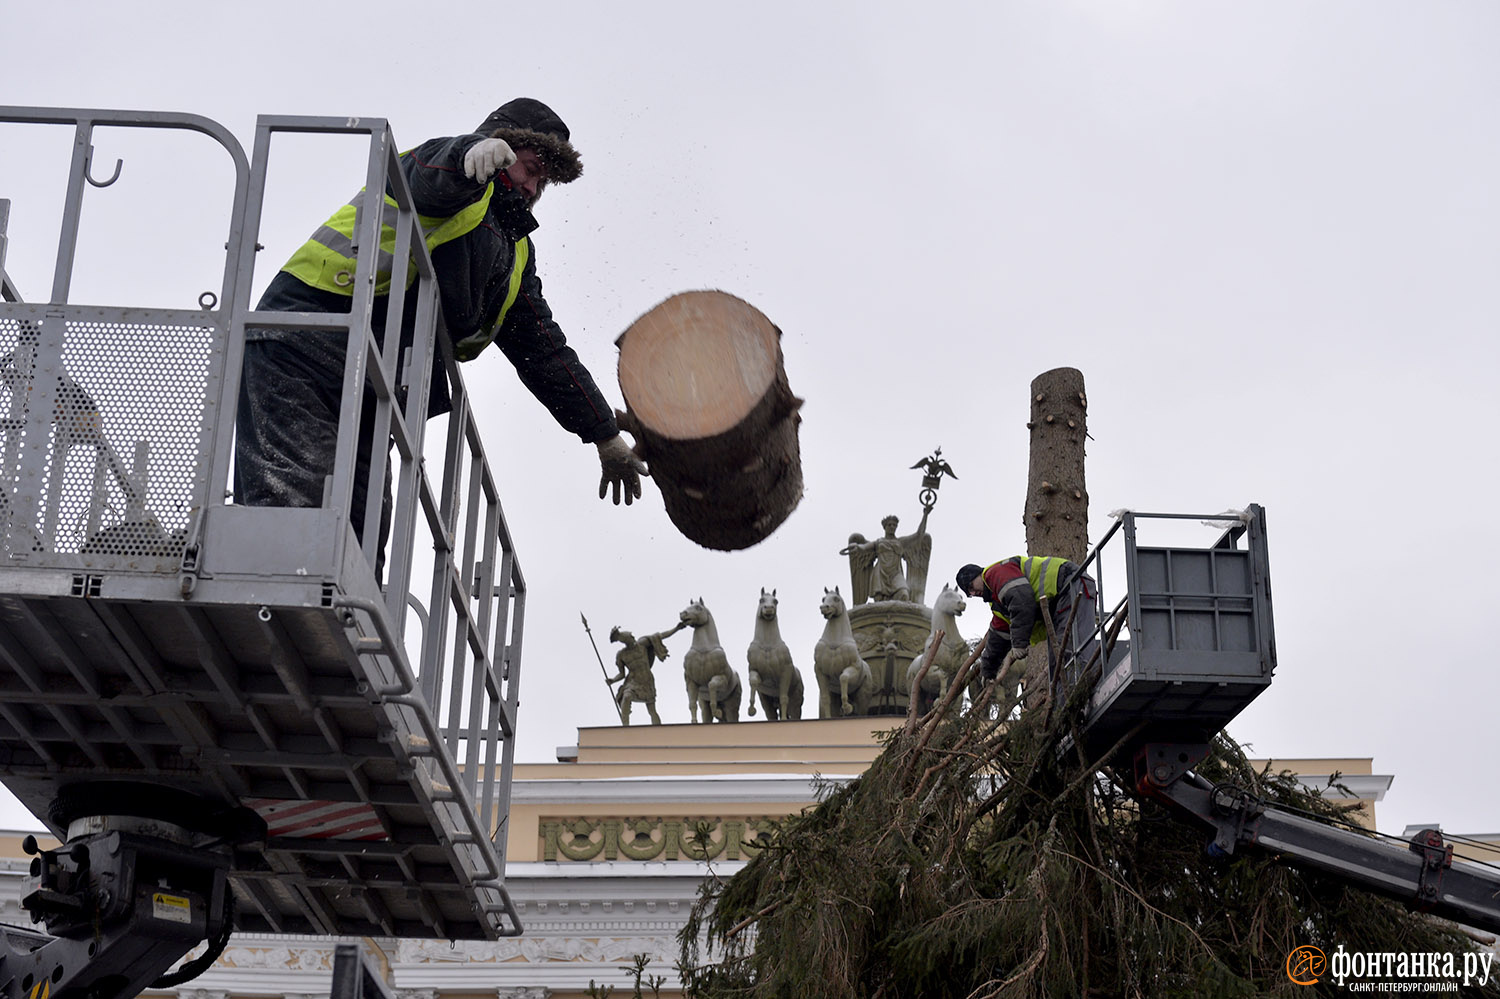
(1265, 232)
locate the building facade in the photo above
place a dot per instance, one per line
(607, 848)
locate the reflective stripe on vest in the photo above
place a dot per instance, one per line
(326, 260)
(1042, 575)
(469, 347)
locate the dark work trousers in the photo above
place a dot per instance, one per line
(288, 425)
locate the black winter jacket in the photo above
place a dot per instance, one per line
(473, 276)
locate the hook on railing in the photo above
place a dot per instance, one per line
(88, 168)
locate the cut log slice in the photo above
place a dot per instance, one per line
(707, 400)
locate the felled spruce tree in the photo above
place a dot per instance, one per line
(972, 859)
(977, 859)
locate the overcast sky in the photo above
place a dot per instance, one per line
(1265, 232)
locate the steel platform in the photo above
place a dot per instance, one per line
(154, 635)
(1201, 642)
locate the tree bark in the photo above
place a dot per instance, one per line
(1057, 502)
(707, 399)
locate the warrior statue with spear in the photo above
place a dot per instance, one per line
(634, 663)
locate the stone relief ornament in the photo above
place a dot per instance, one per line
(306, 957)
(594, 839)
(539, 950)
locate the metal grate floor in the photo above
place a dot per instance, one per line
(274, 710)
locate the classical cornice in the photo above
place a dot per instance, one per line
(711, 789)
(1361, 787)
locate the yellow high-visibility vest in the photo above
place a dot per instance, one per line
(1041, 573)
(326, 260)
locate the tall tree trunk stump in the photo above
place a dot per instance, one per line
(707, 400)
(1057, 502)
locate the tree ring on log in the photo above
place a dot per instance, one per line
(706, 394)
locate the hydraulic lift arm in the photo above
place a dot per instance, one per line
(1201, 647)
(1423, 874)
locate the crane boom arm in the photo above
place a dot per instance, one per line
(1424, 874)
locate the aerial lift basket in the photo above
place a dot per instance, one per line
(1187, 646)
(236, 672)
(1187, 643)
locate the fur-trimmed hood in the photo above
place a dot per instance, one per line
(526, 123)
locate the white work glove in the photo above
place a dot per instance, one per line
(622, 468)
(486, 158)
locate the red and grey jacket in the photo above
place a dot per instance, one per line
(1013, 589)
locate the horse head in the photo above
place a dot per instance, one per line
(767, 608)
(950, 601)
(832, 605)
(695, 613)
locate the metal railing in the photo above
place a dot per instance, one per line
(461, 696)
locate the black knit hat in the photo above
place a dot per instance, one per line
(966, 576)
(526, 123)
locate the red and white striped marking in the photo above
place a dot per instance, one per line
(319, 819)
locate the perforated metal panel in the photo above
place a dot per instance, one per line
(105, 434)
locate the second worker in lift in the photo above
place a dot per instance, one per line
(476, 192)
(1014, 588)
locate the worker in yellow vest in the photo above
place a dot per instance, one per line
(1013, 588)
(475, 195)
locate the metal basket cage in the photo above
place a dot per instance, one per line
(152, 631)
